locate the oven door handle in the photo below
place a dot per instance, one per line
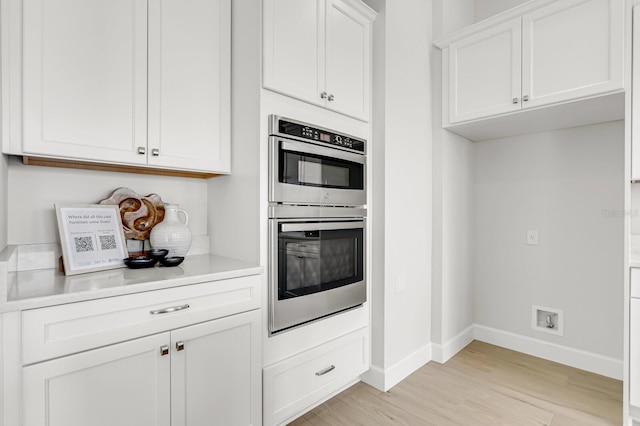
(328, 226)
(307, 148)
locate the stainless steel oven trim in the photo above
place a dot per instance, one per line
(288, 211)
(273, 131)
(286, 193)
(315, 226)
(360, 286)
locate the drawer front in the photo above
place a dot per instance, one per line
(635, 282)
(65, 329)
(295, 385)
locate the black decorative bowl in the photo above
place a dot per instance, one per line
(157, 253)
(171, 261)
(140, 262)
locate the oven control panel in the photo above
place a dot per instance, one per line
(316, 134)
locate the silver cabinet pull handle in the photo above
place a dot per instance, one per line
(330, 98)
(169, 310)
(525, 98)
(164, 350)
(325, 370)
(142, 150)
(515, 100)
(180, 346)
(323, 95)
(155, 152)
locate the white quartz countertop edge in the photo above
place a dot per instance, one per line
(36, 289)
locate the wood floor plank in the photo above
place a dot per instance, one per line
(482, 385)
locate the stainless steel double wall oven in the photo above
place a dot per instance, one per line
(317, 193)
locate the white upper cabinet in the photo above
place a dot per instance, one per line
(293, 42)
(125, 82)
(485, 77)
(542, 53)
(572, 49)
(319, 51)
(84, 75)
(189, 89)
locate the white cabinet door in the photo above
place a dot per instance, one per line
(215, 372)
(484, 73)
(294, 48)
(125, 384)
(634, 353)
(189, 84)
(347, 60)
(319, 51)
(572, 49)
(85, 79)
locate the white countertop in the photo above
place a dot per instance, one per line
(47, 287)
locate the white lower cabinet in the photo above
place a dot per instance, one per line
(297, 384)
(215, 377)
(184, 356)
(204, 374)
(634, 353)
(123, 384)
(634, 340)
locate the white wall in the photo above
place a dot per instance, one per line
(559, 183)
(403, 125)
(407, 179)
(487, 8)
(4, 187)
(377, 186)
(34, 190)
(233, 201)
(453, 206)
(451, 15)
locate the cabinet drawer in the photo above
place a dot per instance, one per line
(61, 330)
(296, 384)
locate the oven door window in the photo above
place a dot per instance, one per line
(298, 168)
(312, 261)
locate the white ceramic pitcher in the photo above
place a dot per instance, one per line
(172, 234)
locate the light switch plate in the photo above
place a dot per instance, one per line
(532, 237)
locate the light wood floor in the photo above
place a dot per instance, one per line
(482, 385)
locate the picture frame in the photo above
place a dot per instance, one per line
(91, 236)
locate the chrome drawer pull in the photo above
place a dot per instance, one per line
(164, 350)
(169, 310)
(325, 370)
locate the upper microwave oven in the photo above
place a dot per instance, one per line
(310, 165)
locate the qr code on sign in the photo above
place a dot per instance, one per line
(83, 244)
(107, 242)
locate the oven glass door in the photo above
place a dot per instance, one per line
(316, 257)
(307, 169)
(317, 269)
(305, 173)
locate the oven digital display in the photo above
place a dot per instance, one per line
(318, 135)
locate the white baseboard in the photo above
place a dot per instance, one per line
(386, 379)
(442, 353)
(594, 363)
(374, 377)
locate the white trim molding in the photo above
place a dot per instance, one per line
(588, 361)
(443, 353)
(385, 379)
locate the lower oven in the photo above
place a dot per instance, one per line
(317, 268)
